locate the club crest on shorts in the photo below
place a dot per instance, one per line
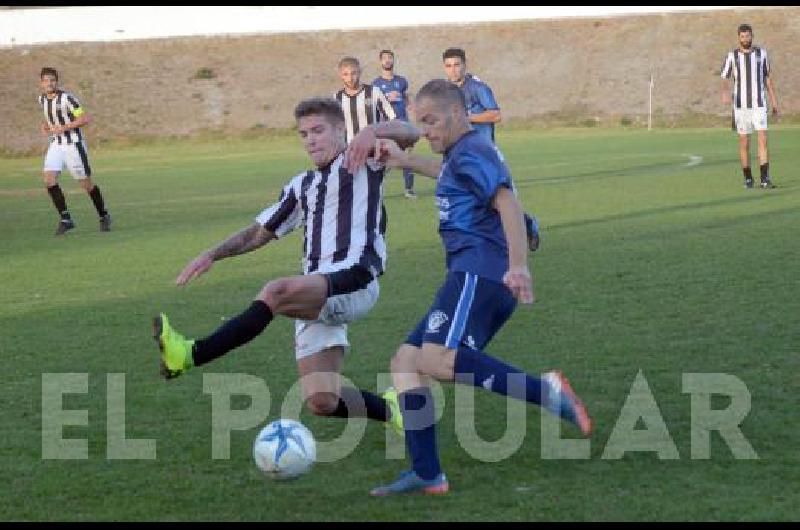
(435, 321)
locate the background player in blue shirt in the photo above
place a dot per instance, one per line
(482, 229)
(395, 87)
(483, 112)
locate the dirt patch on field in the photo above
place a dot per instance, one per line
(579, 71)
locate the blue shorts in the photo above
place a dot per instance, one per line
(467, 309)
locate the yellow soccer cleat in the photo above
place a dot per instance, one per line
(396, 420)
(176, 351)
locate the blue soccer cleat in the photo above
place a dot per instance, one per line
(562, 401)
(410, 482)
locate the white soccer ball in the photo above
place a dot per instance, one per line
(285, 449)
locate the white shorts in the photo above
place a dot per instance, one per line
(749, 120)
(74, 155)
(330, 328)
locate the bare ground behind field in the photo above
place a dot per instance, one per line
(569, 71)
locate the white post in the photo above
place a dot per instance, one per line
(650, 105)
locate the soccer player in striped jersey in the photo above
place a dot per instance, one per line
(749, 67)
(344, 253)
(362, 104)
(482, 230)
(63, 118)
(483, 112)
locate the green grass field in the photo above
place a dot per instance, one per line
(650, 262)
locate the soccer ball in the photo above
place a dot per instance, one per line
(285, 449)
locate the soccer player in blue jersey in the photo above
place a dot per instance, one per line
(395, 87)
(482, 229)
(483, 112)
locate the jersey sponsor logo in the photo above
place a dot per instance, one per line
(444, 208)
(435, 321)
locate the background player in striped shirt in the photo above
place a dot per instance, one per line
(63, 118)
(750, 70)
(344, 253)
(395, 88)
(483, 112)
(362, 104)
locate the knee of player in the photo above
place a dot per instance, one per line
(404, 360)
(322, 403)
(276, 293)
(436, 361)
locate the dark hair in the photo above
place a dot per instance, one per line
(454, 52)
(349, 61)
(390, 52)
(327, 107)
(745, 28)
(443, 91)
(48, 71)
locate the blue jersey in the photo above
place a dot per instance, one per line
(396, 84)
(473, 171)
(479, 99)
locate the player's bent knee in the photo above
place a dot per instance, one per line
(275, 293)
(436, 361)
(322, 403)
(404, 360)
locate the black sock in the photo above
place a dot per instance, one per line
(57, 196)
(97, 199)
(748, 174)
(362, 404)
(239, 330)
(764, 171)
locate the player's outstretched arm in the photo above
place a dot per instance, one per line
(518, 278)
(390, 154)
(363, 143)
(487, 116)
(243, 241)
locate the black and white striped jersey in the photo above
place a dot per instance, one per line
(342, 214)
(368, 106)
(749, 71)
(64, 108)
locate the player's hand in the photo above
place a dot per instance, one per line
(726, 99)
(198, 266)
(775, 111)
(359, 149)
(394, 95)
(388, 153)
(57, 129)
(519, 281)
(45, 129)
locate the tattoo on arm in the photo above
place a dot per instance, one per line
(243, 241)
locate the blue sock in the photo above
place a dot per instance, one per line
(418, 418)
(479, 369)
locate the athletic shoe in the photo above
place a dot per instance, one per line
(64, 225)
(562, 401)
(748, 183)
(105, 223)
(396, 420)
(409, 482)
(176, 351)
(409, 194)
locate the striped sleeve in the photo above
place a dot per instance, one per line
(766, 63)
(385, 110)
(285, 215)
(727, 66)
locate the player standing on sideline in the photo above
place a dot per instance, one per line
(63, 118)
(483, 112)
(750, 69)
(362, 104)
(344, 253)
(482, 229)
(395, 88)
